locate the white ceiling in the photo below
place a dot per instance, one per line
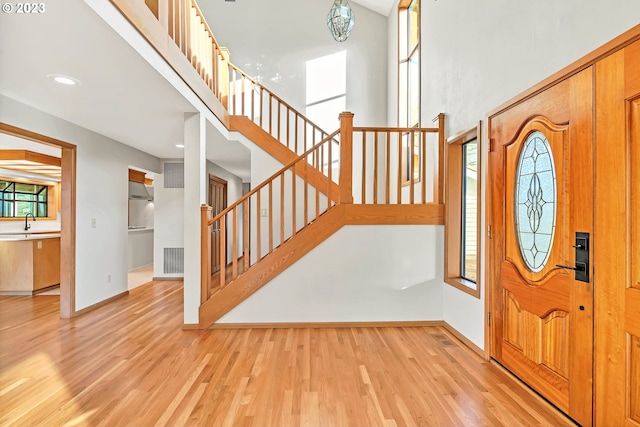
(383, 7)
(120, 96)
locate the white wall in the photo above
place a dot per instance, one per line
(168, 230)
(169, 213)
(272, 41)
(102, 187)
(357, 275)
(478, 55)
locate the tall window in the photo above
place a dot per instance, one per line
(19, 199)
(469, 220)
(409, 79)
(326, 90)
(462, 207)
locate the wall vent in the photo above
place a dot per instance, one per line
(173, 260)
(174, 175)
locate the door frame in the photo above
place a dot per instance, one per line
(68, 214)
(618, 43)
(225, 184)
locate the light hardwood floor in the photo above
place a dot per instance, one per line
(130, 363)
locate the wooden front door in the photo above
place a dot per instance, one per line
(541, 195)
(218, 201)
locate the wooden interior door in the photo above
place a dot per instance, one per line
(218, 201)
(617, 221)
(541, 195)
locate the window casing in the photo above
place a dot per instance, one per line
(462, 208)
(409, 83)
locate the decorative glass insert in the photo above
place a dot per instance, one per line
(535, 201)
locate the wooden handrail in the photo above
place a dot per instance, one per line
(272, 177)
(391, 129)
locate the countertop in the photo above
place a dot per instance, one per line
(139, 229)
(13, 237)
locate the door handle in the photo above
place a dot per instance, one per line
(581, 247)
(579, 266)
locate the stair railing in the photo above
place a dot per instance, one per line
(267, 216)
(399, 165)
(249, 98)
(237, 92)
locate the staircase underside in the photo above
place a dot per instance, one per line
(281, 153)
(224, 300)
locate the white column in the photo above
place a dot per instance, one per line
(195, 194)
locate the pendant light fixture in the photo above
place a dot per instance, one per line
(340, 20)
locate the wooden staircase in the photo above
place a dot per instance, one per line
(299, 216)
(352, 176)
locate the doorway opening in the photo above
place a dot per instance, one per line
(67, 210)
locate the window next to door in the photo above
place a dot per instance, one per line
(462, 208)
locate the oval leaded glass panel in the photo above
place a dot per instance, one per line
(535, 214)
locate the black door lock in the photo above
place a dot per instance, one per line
(582, 257)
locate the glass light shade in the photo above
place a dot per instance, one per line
(340, 20)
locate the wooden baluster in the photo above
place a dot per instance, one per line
(234, 244)
(245, 236)
(243, 94)
(399, 189)
(346, 157)
(387, 165)
(411, 167)
(205, 253)
(258, 233)
(375, 168)
(364, 168)
(438, 191)
(304, 136)
(253, 108)
(424, 167)
(296, 130)
(171, 19)
(186, 33)
(223, 252)
(279, 119)
(329, 173)
(293, 200)
(270, 113)
(288, 130)
(282, 175)
(318, 197)
(261, 104)
(270, 216)
(306, 196)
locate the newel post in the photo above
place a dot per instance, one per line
(223, 77)
(205, 253)
(346, 157)
(438, 187)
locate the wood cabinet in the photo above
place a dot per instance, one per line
(29, 265)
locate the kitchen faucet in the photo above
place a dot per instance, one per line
(26, 217)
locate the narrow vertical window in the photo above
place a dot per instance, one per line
(462, 211)
(409, 81)
(468, 267)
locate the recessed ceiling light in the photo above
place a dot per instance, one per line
(62, 79)
(180, 145)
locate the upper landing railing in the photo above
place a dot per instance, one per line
(178, 26)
